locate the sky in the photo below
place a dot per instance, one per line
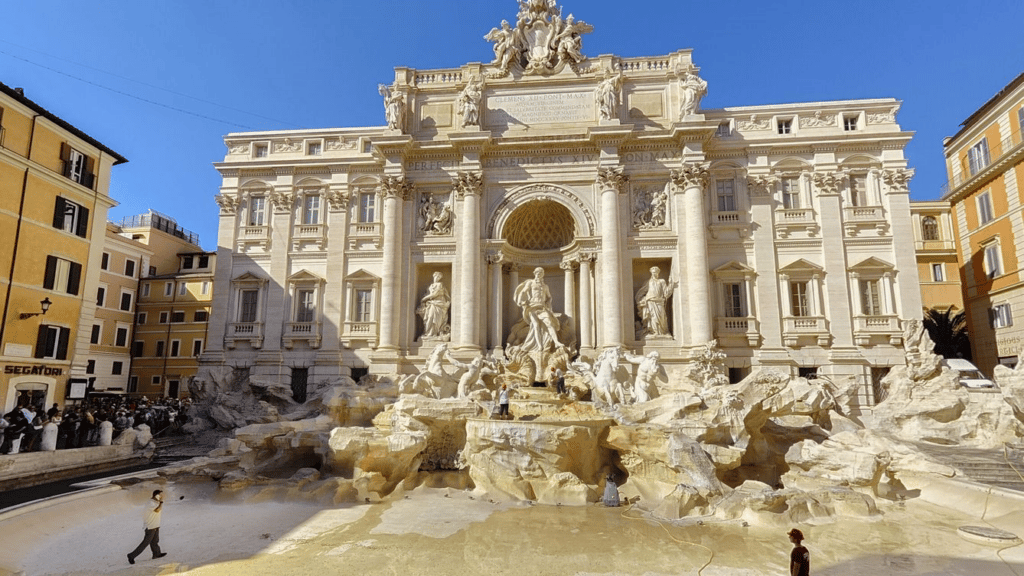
(162, 81)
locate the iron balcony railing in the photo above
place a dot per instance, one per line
(160, 222)
(969, 168)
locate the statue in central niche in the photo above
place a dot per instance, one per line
(534, 298)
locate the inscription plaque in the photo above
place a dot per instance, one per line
(531, 109)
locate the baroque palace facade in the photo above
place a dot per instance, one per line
(781, 231)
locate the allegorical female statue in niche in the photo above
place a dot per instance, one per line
(651, 300)
(433, 309)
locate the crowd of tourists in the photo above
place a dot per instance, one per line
(79, 426)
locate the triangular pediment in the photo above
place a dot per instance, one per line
(734, 266)
(801, 265)
(362, 275)
(305, 276)
(249, 277)
(872, 263)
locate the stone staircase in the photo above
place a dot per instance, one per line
(992, 467)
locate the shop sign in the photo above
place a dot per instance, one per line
(15, 370)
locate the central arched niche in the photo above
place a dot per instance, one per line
(540, 225)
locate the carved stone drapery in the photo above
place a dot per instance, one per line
(829, 183)
(691, 175)
(338, 200)
(761, 186)
(396, 187)
(471, 183)
(612, 178)
(898, 179)
(228, 204)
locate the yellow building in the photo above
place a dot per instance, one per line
(54, 182)
(985, 164)
(937, 266)
(107, 359)
(172, 315)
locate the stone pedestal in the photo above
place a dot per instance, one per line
(106, 433)
(49, 443)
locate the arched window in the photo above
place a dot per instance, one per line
(929, 228)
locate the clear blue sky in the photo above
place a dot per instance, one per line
(238, 65)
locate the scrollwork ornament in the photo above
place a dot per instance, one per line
(898, 179)
(282, 201)
(470, 183)
(761, 186)
(228, 204)
(612, 178)
(338, 200)
(828, 182)
(396, 187)
(691, 175)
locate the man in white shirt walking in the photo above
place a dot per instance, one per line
(151, 521)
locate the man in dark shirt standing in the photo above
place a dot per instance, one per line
(799, 558)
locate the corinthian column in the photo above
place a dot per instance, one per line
(691, 180)
(586, 301)
(612, 182)
(497, 302)
(395, 190)
(467, 187)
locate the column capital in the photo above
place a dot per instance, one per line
(568, 264)
(691, 175)
(396, 187)
(283, 200)
(338, 199)
(828, 183)
(586, 257)
(468, 182)
(612, 178)
(509, 267)
(228, 204)
(497, 257)
(898, 179)
(761, 186)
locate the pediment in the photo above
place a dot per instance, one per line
(801, 265)
(362, 275)
(734, 269)
(305, 276)
(249, 277)
(871, 263)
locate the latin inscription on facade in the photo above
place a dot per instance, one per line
(531, 109)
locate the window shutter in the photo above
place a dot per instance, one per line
(65, 155)
(74, 278)
(89, 178)
(51, 272)
(83, 221)
(41, 341)
(62, 344)
(992, 317)
(58, 213)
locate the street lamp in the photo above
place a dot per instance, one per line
(45, 303)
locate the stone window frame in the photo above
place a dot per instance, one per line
(983, 205)
(251, 332)
(873, 270)
(354, 329)
(931, 229)
(309, 331)
(992, 258)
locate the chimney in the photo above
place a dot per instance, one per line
(19, 91)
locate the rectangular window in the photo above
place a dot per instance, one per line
(197, 347)
(985, 214)
(870, 303)
(105, 261)
(791, 193)
(859, 190)
(152, 271)
(121, 339)
(168, 288)
(785, 126)
(849, 123)
(993, 261)
(116, 368)
(938, 275)
(175, 348)
(261, 150)
(182, 288)
(201, 316)
(306, 311)
(311, 210)
(160, 344)
(145, 290)
(141, 318)
(138, 348)
(62, 275)
(206, 288)
(133, 384)
(367, 207)
(94, 338)
(129, 268)
(90, 367)
(74, 169)
(734, 302)
(126, 301)
(799, 299)
(977, 157)
(247, 312)
(314, 148)
(186, 262)
(257, 210)
(364, 305)
(724, 130)
(101, 296)
(163, 317)
(177, 317)
(155, 380)
(1001, 316)
(71, 217)
(204, 262)
(726, 195)
(52, 342)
